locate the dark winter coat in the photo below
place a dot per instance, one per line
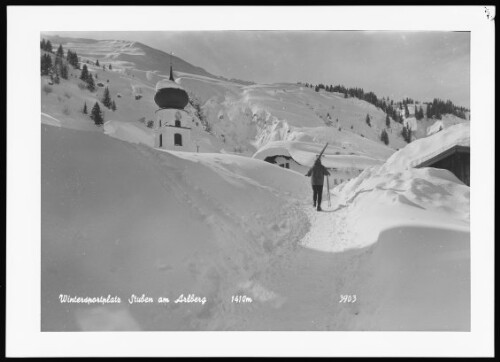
(317, 173)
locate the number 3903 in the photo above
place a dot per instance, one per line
(347, 298)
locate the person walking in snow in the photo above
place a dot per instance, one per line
(317, 174)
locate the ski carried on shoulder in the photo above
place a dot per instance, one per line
(323, 150)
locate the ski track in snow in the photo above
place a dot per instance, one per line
(304, 282)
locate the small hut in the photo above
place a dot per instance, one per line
(447, 149)
(455, 159)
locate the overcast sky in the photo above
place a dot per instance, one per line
(419, 65)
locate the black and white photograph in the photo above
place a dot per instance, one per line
(267, 180)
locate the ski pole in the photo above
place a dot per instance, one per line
(328, 187)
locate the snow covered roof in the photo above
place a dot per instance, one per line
(170, 95)
(165, 83)
(305, 153)
(424, 149)
(276, 148)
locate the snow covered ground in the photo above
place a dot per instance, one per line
(121, 218)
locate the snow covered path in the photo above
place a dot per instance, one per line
(328, 229)
(414, 277)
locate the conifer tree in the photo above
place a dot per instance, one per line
(419, 114)
(43, 44)
(384, 137)
(84, 108)
(106, 99)
(407, 112)
(368, 122)
(85, 73)
(96, 114)
(113, 105)
(48, 46)
(45, 64)
(60, 51)
(90, 83)
(429, 111)
(110, 67)
(387, 121)
(97, 62)
(72, 59)
(64, 71)
(404, 133)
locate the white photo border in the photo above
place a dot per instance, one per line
(24, 25)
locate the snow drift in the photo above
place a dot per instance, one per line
(125, 219)
(376, 201)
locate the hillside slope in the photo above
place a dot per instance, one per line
(242, 118)
(126, 54)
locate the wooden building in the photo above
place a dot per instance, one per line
(455, 159)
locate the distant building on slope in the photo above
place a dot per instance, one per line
(172, 123)
(284, 161)
(280, 156)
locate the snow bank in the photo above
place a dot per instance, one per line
(396, 195)
(425, 148)
(413, 278)
(123, 219)
(289, 183)
(128, 132)
(378, 200)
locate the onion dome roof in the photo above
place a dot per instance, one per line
(170, 95)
